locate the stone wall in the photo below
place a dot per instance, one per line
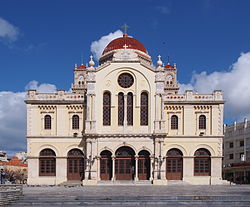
(10, 193)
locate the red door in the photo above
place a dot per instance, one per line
(174, 168)
(144, 165)
(124, 169)
(75, 165)
(174, 164)
(75, 169)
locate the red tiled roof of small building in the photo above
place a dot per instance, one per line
(120, 42)
(14, 162)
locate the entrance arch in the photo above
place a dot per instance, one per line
(144, 165)
(106, 165)
(75, 162)
(174, 164)
(125, 163)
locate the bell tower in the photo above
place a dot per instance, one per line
(80, 73)
(171, 84)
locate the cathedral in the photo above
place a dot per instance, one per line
(124, 121)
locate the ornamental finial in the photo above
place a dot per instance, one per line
(91, 62)
(159, 62)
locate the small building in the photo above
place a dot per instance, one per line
(236, 163)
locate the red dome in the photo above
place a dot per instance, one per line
(119, 43)
(81, 66)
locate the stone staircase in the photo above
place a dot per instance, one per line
(160, 201)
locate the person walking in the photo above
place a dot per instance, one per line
(3, 176)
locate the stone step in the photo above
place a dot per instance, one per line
(135, 203)
(144, 198)
(124, 182)
(71, 183)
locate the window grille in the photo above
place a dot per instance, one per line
(174, 122)
(47, 122)
(120, 109)
(130, 109)
(144, 109)
(202, 122)
(107, 109)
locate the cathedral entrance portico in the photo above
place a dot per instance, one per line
(125, 164)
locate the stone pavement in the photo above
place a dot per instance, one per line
(178, 196)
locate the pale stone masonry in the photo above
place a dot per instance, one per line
(236, 161)
(124, 120)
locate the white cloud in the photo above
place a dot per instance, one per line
(42, 88)
(234, 83)
(13, 117)
(8, 32)
(163, 9)
(98, 46)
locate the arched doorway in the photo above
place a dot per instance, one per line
(144, 165)
(75, 163)
(106, 165)
(174, 165)
(202, 162)
(125, 163)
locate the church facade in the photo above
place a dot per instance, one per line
(124, 120)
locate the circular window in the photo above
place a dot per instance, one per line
(125, 80)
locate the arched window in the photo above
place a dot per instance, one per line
(47, 163)
(144, 109)
(106, 108)
(47, 122)
(130, 108)
(202, 162)
(174, 122)
(75, 122)
(202, 122)
(120, 109)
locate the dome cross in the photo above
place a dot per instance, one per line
(125, 27)
(125, 46)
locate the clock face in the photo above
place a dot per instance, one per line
(80, 78)
(169, 77)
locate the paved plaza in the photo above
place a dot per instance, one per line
(237, 195)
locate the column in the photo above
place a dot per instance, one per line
(93, 112)
(113, 168)
(163, 168)
(98, 168)
(136, 168)
(151, 167)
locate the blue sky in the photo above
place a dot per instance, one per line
(204, 37)
(197, 34)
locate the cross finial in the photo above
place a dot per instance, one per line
(125, 27)
(125, 47)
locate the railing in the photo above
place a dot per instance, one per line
(59, 95)
(192, 96)
(9, 193)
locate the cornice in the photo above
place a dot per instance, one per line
(54, 102)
